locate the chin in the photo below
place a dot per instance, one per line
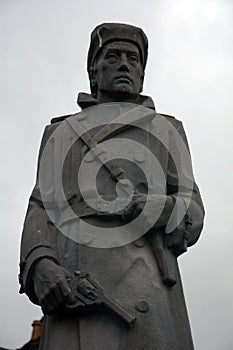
(124, 92)
(124, 95)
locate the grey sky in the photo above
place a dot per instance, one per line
(189, 75)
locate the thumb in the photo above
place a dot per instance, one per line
(67, 273)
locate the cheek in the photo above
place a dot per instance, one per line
(102, 68)
(137, 71)
(140, 72)
(138, 75)
(103, 73)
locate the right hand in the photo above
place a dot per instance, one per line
(51, 285)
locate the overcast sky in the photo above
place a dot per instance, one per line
(189, 75)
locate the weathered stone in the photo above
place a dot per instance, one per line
(140, 279)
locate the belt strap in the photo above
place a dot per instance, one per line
(134, 115)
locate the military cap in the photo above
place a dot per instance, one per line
(108, 32)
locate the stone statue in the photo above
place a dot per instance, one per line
(135, 273)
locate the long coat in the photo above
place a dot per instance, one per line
(130, 272)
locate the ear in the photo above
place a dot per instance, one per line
(92, 79)
(93, 83)
(92, 76)
(142, 81)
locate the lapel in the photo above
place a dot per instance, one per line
(85, 100)
(124, 121)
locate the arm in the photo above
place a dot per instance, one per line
(178, 195)
(40, 273)
(188, 231)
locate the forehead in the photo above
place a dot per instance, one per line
(123, 46)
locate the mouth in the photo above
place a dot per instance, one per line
(124, 79)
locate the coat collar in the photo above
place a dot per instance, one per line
(87, 100)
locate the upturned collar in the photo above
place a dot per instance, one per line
(85, 100)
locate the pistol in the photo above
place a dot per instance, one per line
(88, 295)
(164, 257)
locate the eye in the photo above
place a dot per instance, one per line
(111, 56)
(133, 59)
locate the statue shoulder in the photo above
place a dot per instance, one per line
(169, 117)
(173, 120)
(54, 123)
(61, 118)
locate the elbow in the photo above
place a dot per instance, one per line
(194, 231)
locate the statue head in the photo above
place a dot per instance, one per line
(116, 61)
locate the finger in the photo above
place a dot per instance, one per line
(52, 299)
(136, 212)
(67, 273)
(128, 211)
(47, 305)
(65, 291)
(47, 309)
(137, 209)
(56, 296)
(43, 296)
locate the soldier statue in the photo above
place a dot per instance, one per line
(99, 290)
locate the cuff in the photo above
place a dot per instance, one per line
(27, 268)
(178, 227)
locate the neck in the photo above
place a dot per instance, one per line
(103, 97)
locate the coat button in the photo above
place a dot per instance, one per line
(89, 158)
(80, 116)
(140, 242)
(139, 157)
(86, 238)
(142, 306)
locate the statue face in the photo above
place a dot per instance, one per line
(118, 70)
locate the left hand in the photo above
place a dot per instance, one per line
(158, 206)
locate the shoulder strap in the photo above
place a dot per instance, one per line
(97, 151)
(134, 115)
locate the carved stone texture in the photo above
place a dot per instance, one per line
(127, 296)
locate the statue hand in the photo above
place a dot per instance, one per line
(51, 285)
(157, 206)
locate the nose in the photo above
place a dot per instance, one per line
(124, 64)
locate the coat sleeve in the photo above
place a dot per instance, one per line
(39, 234)
(182, 187)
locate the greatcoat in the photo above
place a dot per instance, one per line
(128, 273)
